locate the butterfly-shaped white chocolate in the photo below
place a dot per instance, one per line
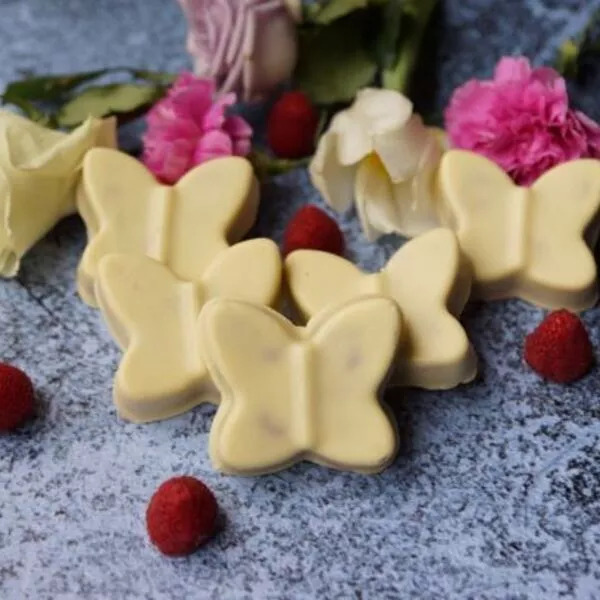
(429, 282)
(290, 393)
(530, 243)
(152, 315)
(184, 226)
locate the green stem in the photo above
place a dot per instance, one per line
(268, 166)
(418, 13)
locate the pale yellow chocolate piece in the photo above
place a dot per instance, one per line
(185, 226)
(152, 315)
(39, 170)
(290, 393)
(430, 284)
(532, 243)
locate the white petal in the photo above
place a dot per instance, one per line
(353, 142)
(382, 110)
(335, 181)
(416, 200)
(401, 150)
(374, 199)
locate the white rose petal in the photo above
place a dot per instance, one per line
(390, 156)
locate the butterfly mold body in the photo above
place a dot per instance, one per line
(429, 282)
(152, 315)
(290, 394)
(184, 226)
(532, 243)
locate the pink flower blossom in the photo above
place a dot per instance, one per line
(189, 127)
(521, 120)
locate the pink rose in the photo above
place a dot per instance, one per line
(190, 127)
(247, 46)
(521, 120)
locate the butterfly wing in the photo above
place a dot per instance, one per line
(114, 201)
(353, 347)
(248, 271)
(487, 212)
(318, 279)
(561, 269)
(152, 316)
(431, 285)
(248, 350)
(215, 205)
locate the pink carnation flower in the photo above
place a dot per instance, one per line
(521, 120)
(190, 126)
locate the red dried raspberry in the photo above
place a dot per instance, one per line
(292, 126)
(181, 516)
(16, 397)
(559, 349)
(311, 228)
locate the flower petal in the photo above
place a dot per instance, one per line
(353, 142)
(214, 144)
(334, 180)
(375, 199)
(417, 201)
(400, 151)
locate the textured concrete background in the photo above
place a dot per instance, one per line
(496, 493)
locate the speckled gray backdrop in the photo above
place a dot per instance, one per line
(496, 493)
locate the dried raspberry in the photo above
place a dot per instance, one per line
(559, 349)
(311, 228)
(292, 126)
(16, 397)
(181, 516)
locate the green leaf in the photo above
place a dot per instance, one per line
(567, 63)
(336, 9)
(335, 62)
(416, 15)
(573, 52)
(47, 88)
(105, 100)
(157, 77)
(390, 25)
(39, 97)
(266, 165)
(33, 113)
(325, 13)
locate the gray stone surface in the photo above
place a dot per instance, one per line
(496, 493)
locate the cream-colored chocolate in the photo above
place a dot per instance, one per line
(290, 393)
(152, 315)
(430, 284)
(39, 170)
(184, 226)
(532, 243)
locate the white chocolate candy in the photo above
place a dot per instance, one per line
(183, 226)
(39, 170)
(290, 394)
(430, 284)
(152, 315)
(522, 242)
